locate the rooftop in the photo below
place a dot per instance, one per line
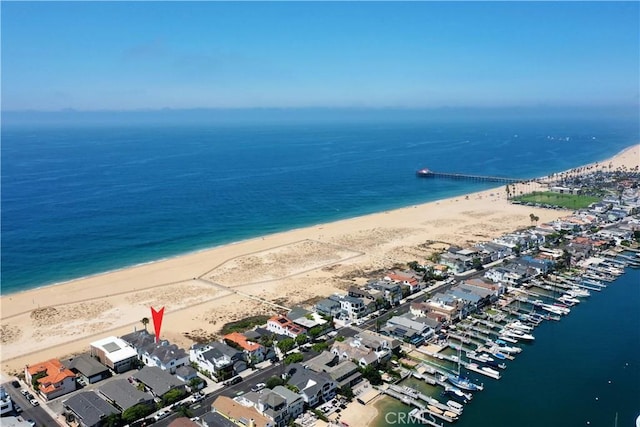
(89, 407)
(233, 410)
(158, 380)
(115, 348)
(124, 394)
(86, 365)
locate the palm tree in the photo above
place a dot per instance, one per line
(145, 322)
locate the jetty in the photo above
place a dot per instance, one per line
(428, 173)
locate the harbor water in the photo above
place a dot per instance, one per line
(581, 371)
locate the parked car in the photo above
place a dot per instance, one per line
(15, 383)
(160, 415)
(232, 381)
(258, 387)
(34, 402)
(32, 423)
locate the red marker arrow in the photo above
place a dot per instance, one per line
(157, 321)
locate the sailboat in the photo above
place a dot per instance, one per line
(462, 382)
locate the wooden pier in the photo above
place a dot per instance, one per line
(427, 173)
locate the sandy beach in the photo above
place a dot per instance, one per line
(204, 290)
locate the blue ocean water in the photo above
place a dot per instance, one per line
(84, 199)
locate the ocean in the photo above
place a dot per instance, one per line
(85, 199)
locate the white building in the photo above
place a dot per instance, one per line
(114, 353)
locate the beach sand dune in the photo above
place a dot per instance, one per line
(202, 291)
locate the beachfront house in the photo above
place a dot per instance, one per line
(162, 354)
(114, 353)
(88, 409)
(353, 308)
(123, 395)
(306, 319)
(217, 360)
(403, 279)
(456, 263)
(391, 292)
(87, 369)
(50, 379)
(284, 326)
(327, 307)
(253, 352)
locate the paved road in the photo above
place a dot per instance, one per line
(29, 412)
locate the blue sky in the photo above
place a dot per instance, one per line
(128, 56)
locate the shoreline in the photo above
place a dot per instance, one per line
(206, 288)
(305, 227)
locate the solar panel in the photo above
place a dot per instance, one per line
(111, 347)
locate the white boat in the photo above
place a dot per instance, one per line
(479, 357)
(516, 324)
(578, 292)
(514, 333)
(555, 309)
(509, 349)
(455, 405)
(569, 299)
(491, 371)
(507, 338)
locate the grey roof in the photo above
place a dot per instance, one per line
(124, 394)
(139, 339)
(273, 400)
(218, 350)
(86, 365)
(89, 407)
(481, 292)
(144, 342)
(322, 361)
(186, 372)
(213, 419)
(464, 294)
(157, 380)
(306, 380)
(297, 312)
(165, 352)
(286, 394)
(327, 303)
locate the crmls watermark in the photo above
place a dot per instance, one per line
(401, 418)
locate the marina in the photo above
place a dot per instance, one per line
(481, 344)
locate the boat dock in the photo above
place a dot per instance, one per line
(418, 414)
(413, 397)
